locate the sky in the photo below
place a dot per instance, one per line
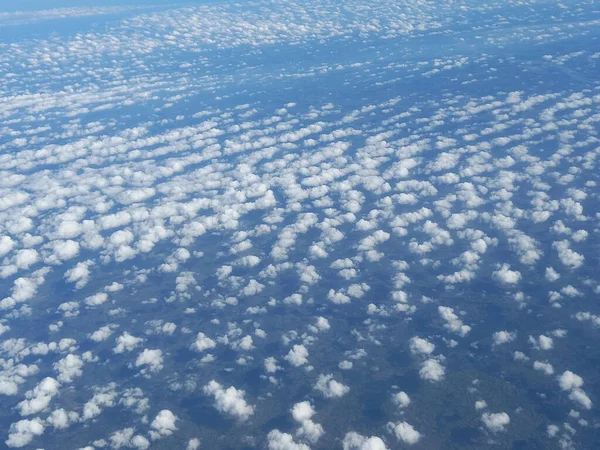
(296, 225)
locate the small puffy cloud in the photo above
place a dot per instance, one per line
(329, 387)
(495, 422)
(310, 431)
(545, 367)
(64, 250)
(203, 342)
(581, 398)
(542, 342)
(322, 324)
(61, 419)
(22, 432)
(103, 398)
(151, 358)
(39, 398)
(302, 411)
(338, 297)
(79, 274)
(502, 337)
(297, 356)
(6, 245)
(480, 404)
(432, 370)
(401, 399)
(69, 367)
(355, 441)
(164, 423)
(406, 433)
(567, 256)
(229, 401)
(569, 380)
(126, 438)
(96, 299)
(420, 346)
(284, 441)
(271, 365)
(126, 343)
(102, 333)
(252, 288)
(551, 274)
(193, 444)
(453, 323)
(507, 276)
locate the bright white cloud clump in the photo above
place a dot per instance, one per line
(229, 401)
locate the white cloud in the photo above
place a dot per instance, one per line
(569, 380)
(284, 441)
(420, 346)
(193, 444)
(581, 398)
(507, 276)
(503, 337)
(69, 367)
(22, 432)
(102, 333)
(38, 399)
(453, 323)
(126, 343)
(297, 356)
(80, 274)
(432, 370)
(151, 358)
(406, 433)
(544, 367)
(542, 342)
(495, 422)
(164, 423)
(229, 401)
(480, 404)
(303, 412)
(203, 342)
(354, 441)
(329, 387)
(401, 399)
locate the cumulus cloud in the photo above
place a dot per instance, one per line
(406, 433)
(453, 323)
(229, 401)
(22, 432)
(495, 422)
(297, 356)
(302, 413)
(153, 359)
(102, 333)
(203, 342)
(69, 367)
(126, 343)
(503, 337)
(355, 441)
(38, 399)
(284, 441)
(432, 370)
(507, 276)
(401, 399)
(420, 346)
(163, 424)
(329, 387)
(569, 380)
